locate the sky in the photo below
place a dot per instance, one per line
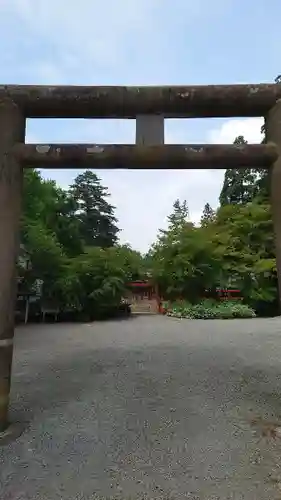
(142, 42)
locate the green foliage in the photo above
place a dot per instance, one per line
(47, 257)
(44, 203)
(184, 262)
(39, 198)
(97, 224)
(208, 215)
(208, 309)
(179, 215)
(239, 185)
(60, 231)
(243, 232)
(243, 236)
(66, 224)
(131, 261)
(95, 283)
(234, 247)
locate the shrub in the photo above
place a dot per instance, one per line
(210, 309)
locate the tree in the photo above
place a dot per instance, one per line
(239, 184)
(97, 223)
(95, 282)
(179, 215)
(208, 215)
(66, 225)
(50, 206)
(131, 261)
(40, 232)
(184, 262)
(39, 198)
(176, 221)
(243, 236)
(47, 258)
(78, 278)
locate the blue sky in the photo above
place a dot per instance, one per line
(139, 42)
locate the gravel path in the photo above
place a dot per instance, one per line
(149, 408)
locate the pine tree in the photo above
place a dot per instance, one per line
(179, 215)
(208, 215)
(95, 214)
(239, 186)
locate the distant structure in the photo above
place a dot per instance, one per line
(143, 297)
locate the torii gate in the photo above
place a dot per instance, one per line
(149, 106)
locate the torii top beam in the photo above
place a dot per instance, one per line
(128, 102)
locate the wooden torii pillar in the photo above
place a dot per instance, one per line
(273, 135)
(12, 130)
(149, 106)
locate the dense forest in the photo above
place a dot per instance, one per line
(233, 247)
(71, 237)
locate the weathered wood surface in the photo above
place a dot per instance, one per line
(141, 157)
(273, 133)
(128, 102)
(12, 130)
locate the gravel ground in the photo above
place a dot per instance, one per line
(148, 408)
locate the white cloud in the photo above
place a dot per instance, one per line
(250, 128)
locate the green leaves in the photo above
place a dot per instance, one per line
(99, 282)
(243, 236)
(55, 226)
(97, 223)
(245, 185)
(208, 215)
(184, 261)
(48, 263)
(208, 309)
(233, 247)
(179, 215)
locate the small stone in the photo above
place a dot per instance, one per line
(278, 432)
